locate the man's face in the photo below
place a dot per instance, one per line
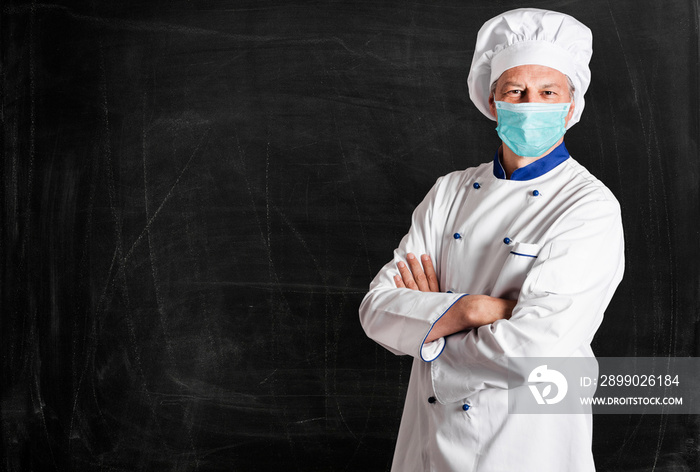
(532, 84)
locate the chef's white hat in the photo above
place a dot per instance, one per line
(531, 36)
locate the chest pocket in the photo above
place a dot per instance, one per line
(516, 267)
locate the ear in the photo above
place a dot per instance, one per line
(492, 107)
(571, 113)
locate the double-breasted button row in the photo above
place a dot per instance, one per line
(507, 241)
(535, 193)
(458, 236)
(465, 407)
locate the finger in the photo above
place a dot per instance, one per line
(417, 271)
(399, 281)
(430, 273)
(406, 276)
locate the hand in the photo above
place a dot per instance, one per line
(469, 312)
(417, 277)
(481, 310)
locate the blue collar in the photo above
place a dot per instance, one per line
(540, 167)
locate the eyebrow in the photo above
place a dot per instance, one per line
(519, 84)
(512, 84)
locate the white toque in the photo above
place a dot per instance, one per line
(531, 36)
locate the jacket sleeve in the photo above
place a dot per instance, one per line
(400, 319)
(559, 309)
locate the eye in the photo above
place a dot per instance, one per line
(549, 93)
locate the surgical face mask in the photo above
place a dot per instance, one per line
(529, 129)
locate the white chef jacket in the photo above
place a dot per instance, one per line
(550, 237)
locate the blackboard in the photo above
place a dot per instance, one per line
(196, 195)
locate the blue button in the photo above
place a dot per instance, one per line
(432, 400)
(476, 185)
(457, 236)
(506, 241)
(535, 193)
(465, 407)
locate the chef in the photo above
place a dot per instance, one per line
(518, 257)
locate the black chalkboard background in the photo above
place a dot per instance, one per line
(196, 195)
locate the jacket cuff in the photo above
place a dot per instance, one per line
(432, 350)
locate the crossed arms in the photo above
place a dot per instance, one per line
(470, 311)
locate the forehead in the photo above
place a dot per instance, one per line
(533, 75)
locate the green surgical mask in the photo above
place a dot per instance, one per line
(529, 129)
